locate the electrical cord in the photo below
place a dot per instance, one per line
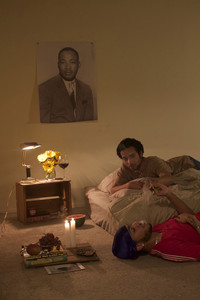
(3, 223)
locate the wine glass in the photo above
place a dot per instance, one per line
(63, 164)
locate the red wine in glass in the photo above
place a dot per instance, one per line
(63, 164)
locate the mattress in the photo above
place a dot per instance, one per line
(127, 206)
(97, 208)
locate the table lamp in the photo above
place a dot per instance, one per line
(25, 147)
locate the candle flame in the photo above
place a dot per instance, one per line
(66, 224)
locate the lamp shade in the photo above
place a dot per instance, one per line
(29, 145)
(24, 147)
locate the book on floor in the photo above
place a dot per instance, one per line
(55, 269)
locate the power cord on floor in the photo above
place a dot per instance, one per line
(3, 223)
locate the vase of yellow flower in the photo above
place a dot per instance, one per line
(51, 175)
(49, 159)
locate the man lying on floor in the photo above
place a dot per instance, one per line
(177, 239)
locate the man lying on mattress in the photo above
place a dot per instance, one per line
(177, 239)
(135, 165)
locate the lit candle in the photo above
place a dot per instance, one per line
(67, 234)
(73, 233)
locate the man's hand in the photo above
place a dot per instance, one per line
(184, 218)
(135, 185)
(180, 206)
(165, 179)
(159, 189)
(190, 219)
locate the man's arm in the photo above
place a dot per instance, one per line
(89, 109)
(45, 107)
(190, 219)
(134, 185)
(180, 206)
(164, 178)
(186, 214)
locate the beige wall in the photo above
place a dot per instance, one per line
(148, 83)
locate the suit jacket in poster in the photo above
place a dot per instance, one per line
(55, 102)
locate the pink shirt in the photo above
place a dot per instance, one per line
(180, 242)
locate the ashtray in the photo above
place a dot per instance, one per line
(85, 252)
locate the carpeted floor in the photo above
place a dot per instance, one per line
(109, 278)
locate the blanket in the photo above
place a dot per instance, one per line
(127, 206)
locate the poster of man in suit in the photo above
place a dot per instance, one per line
(66, 80)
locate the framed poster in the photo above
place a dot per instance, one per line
(66, 81)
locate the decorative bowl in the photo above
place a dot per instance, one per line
(78, 218)
(46, 247)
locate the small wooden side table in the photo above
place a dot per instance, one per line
(40, 200)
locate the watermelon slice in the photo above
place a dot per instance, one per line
(78, 218)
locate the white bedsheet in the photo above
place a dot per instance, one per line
(98, 203)
(125, 206)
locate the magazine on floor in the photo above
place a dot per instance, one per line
(55, 269)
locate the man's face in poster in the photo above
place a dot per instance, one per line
(68, 65)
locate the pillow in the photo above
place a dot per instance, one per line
(106, 184)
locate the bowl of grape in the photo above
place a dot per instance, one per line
(48, 241)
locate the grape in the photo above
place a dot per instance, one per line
(50, 240)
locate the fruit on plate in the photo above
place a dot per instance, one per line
(33, 249)
(79, 219)
(55, 249)
(48, 241)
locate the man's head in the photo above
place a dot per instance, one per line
(68, 63)
(131, 152)
(129, 240)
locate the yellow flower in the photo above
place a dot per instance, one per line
(49, 159)
(50, 154)
(48, 166)
(58, 157)
(42, 157)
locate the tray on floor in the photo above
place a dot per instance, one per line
(81, 253)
